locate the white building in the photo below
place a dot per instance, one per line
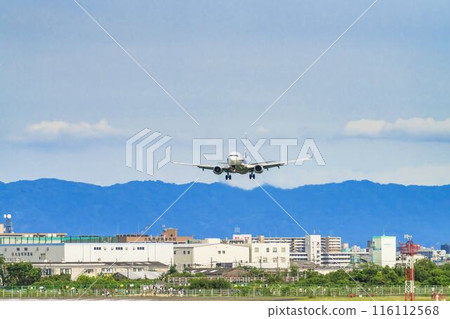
(313, 249)
(123, 252)
(384, 250)
(270, 255)
(210, 255)
(89, 252)
(132, 270)
(301, 248)
(296, 244)
(336, 259)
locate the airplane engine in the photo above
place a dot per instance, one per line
(258, 169)
(217, 170)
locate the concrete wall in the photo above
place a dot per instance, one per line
(209, 255)
(33, 253)
(123, 252)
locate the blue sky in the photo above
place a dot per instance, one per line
(377, 104)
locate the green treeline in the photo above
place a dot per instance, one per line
(426, 273)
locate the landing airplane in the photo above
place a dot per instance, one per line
(236, 163)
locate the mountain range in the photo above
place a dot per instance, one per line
(353, 210)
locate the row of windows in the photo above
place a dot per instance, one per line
(274, 249)
(119, 248)
(185, 252)
(22, 254)
(26, 249)
(274, 260)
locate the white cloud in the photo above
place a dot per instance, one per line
(53, 130)
(261, 130)
(414, 128)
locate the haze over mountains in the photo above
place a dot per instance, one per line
(354, 210)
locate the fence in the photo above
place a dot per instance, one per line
(247, 292)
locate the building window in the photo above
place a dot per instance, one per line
(283, 249)
(184, 252)
(97, 248)
(25, 249)
(18, 249)
(283, 260)
(107, 270)
(275, 260)
(256, 249)
(264, 260)
(46, 272)
(65, 271)
(189, 252)
(274, 249)
(119, 248)
(174, 252)
(223, 251)
(140, 248)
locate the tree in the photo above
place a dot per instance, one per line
(423, 270)
(22, 274)
(172, 270)
(294, 270)
(338, 277)
(2, 272)
(203, 283)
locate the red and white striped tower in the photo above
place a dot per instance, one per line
(409, 249)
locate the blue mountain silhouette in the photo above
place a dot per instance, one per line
(354, 210)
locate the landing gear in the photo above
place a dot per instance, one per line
(228, 177)
(251, 175)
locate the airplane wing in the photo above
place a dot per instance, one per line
(224, 166)
(271, 164)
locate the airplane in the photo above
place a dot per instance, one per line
(238, 164)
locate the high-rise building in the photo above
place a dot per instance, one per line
(313, 248)
(384, 250)
(331, 244)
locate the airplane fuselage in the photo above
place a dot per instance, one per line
(237, 163)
